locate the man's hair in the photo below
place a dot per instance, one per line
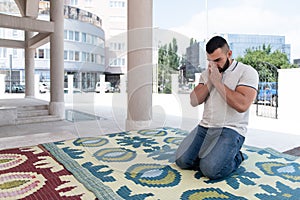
(215, 43)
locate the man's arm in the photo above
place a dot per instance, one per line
(240, 99)
(199, 94)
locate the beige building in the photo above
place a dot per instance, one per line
(114, 23)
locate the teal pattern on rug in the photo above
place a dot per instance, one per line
(140, 165)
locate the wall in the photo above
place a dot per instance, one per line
(288, 93)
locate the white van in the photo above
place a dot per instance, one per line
(103, 87)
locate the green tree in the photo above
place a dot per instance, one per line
(266, 62)
(168, 63)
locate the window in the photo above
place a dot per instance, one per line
(92, 57)
(117, 4)
(71, 35)
(93, 39)
(71, 55)
(114, 46)
(83, 37)
(2, 52)
(88, 2)
(74, 2)
(88, 57)
(102, 61)
(77, 55)
(117, 62)
(47, 53)
(41, 53)
(83, 56)
(76, 36)
(15, 53)
(65, 55)
(15, 33)
(100, 42)
(89, 39)
(65, 34)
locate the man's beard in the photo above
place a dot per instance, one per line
(226, 65)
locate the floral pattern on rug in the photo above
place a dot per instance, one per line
(32, 173)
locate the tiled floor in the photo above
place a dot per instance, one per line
(279, 134)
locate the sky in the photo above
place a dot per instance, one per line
(263, 17)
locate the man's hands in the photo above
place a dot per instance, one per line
(215, 77)
(240, 99)
(201, 91)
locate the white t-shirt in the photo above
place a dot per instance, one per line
(217, 113)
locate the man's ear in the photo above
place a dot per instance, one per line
(229, 53)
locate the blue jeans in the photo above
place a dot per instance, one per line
(215, 152)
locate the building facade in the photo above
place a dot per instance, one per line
(114, 23)
(240, 42)
(84, 50)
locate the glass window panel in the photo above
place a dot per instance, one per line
(76, 55)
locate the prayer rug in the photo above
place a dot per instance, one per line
(32, 173)
(140, 165)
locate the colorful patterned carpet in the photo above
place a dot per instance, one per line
(139, 165)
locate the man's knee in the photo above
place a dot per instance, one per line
(213, 170)
(185, 162)
(182, 163)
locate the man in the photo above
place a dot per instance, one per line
(227, 88)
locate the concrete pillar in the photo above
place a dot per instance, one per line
(139, 88)
(29, 68)
(57, 106)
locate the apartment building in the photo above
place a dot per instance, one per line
(84, 50)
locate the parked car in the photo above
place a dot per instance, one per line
(17, 88)
(43, 87)
(103, 87)
(75, 90)
(267, 93)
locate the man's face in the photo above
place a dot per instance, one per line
(219, 58)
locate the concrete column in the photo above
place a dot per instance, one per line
(29, 68)
(139, 88)
(56, 106)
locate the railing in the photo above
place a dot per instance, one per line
(72, 13)
(267, 97)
